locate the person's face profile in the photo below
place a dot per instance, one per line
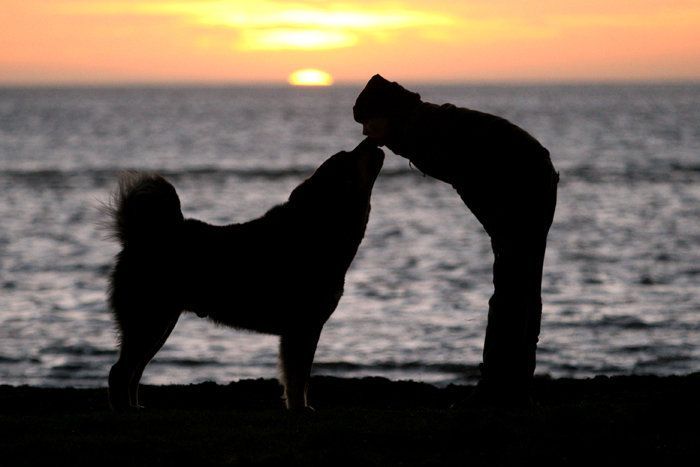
(376, 129)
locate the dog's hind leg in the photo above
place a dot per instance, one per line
(138, 372)
(297, 351)
(142, 335)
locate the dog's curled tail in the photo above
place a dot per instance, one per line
(144, 209)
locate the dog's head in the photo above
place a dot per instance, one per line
(343, 184)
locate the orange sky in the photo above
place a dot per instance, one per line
(96, 41)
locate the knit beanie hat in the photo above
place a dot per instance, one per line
(382, 98)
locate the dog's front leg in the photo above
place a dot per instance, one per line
(297, 351)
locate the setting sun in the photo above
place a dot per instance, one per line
(310, 77)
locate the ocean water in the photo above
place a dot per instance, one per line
(622, 271)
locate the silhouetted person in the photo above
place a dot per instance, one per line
(506, 178)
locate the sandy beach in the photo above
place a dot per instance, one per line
(370, 421)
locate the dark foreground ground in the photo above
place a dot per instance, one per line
(602, 421)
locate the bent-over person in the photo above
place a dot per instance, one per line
(506, 178)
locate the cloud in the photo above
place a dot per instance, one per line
(276, 25)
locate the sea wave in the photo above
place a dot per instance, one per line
(673, 172)
(58, 176)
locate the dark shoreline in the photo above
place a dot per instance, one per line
(369, 421)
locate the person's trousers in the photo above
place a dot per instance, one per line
(518, 229)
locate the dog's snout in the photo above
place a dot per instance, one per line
(378, 154)
(369, 152)
(365, 145)
(372, 160)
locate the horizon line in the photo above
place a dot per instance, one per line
(347, 83)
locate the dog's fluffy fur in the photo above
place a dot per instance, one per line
(282, 273)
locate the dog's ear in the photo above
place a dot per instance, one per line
(308, 189)
(322, 179)
(303, 191)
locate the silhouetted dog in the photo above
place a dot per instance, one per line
(282, 273)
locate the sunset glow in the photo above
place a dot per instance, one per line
(260, 41)
(268, 25)
(299, 39)
(310, 77)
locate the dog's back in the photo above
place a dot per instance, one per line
(253, 275)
